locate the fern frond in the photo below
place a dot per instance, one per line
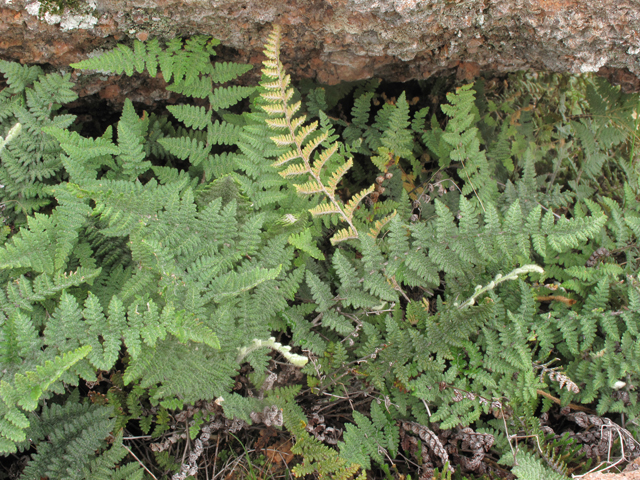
(353, 203)
(274, 109)
(186, 148)
(276, 104)
(324, 208)
(283, 140)
(131, 132)
(277, 123)
(121, 59)
(304, 132)
(285, 158)
(303, 241)
(344, 234)
(233, 283)
(294, 170)
(222, 133)
(226, 71)
(29, 387)
(530, 467)
(81, 148)
(322, 159)
(224, 97)
(19, 76)
(67, 438)
(310, 187)
(380, 224)
(336, 176)
(313, 144)
(191, 116)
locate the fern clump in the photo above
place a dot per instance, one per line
(140, 258)
(470, 241)
(441, 287)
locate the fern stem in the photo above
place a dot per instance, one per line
(513, 275)
(11, 134)
(139, 461)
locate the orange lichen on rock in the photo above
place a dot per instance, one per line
(110, 92)
(468, 71)
(554, 6)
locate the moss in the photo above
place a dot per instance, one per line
(56, 7)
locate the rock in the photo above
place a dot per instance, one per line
(631, 472)
(344, 40)
(613, 476)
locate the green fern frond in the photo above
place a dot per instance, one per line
(234, 283)
(73, 433)
(176, 61)
(191, 116)
(224, 97)
(25, 392)
(531, 468)
(19, 76)
(304, 241)
(186, 148)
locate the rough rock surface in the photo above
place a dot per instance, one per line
(343, 40)
(631, 472)
(613, 476)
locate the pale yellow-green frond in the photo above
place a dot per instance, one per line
(271, 51)
(286, 81)
(273, 44)
(296, 122)
(285, 158)
(276, 96)
(277, 123)
(310, 187)
(379, 225)
(283, 140)
(270, 72)
(272, 39)
(355, 201)
(272, 96)
(271, 85)
(313, 144)
(305, 131)
(271, 65)
(351, 470)
(322, 159)
(324, 208)
(273, 109)
(338, 174)
(302, 141)
(344, 234)
(295, 169)
(292, 109)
